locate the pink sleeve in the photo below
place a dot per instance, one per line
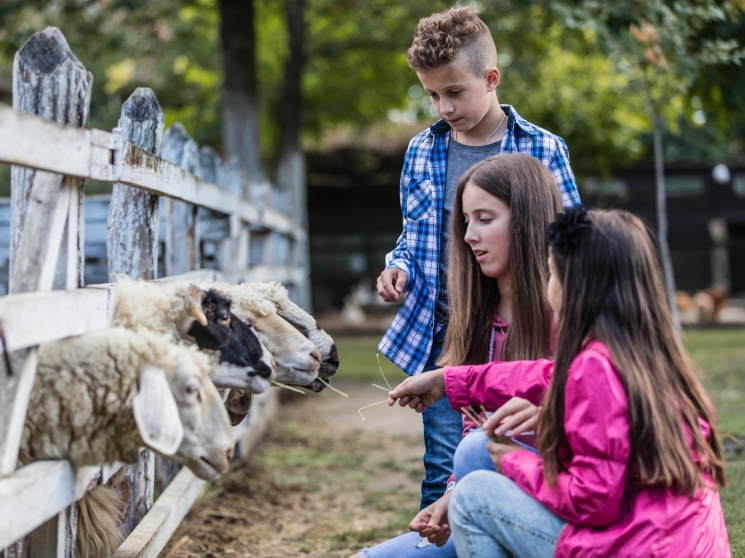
(495, 383)
(596, 422)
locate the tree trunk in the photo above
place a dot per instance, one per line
(291, 171)
(240, 98)
(667, 264)
(132, 225)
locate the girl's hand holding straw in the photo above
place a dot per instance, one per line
(419, 392)
(516, 417)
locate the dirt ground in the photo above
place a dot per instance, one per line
(323, 483)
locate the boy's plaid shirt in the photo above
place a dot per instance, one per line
(408, 341)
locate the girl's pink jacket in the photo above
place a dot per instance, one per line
(608, 513)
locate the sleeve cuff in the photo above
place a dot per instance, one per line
(456, 386)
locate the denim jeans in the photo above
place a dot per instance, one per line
(443, 428)
(470, 456)
(491, 517)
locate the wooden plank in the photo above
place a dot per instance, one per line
(249, 432)
(66, 154)
(182, 238)
(34, 318)
(153, 532)
(148, 172)
(36, 493)
(283, 274)
(33, 142)
(133, 220)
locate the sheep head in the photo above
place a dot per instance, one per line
(305, 324)
(245, 363)
(207, 444)
(296, 357)
(214, 332)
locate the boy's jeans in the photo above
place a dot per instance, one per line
(443, 428)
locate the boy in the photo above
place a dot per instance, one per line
(455, 58)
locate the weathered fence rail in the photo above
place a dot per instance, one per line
(52, 152)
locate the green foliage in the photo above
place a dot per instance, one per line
(659, 45)
(584, 77)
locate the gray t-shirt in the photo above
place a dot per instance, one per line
(460, 159)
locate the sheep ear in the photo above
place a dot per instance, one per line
(156, 412)
(194, 304)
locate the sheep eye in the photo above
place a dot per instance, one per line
(192, 388)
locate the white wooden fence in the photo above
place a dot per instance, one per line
(37, 501)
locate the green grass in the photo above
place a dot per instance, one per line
(358, 362)
(719, 355)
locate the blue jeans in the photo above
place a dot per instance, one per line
(443, 428)
(470, 455)
(491, 517)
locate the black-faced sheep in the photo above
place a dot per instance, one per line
(296, 357)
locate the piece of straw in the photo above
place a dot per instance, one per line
(372, 405)
(380, 387)
(381, 372)
(276, 383)
(328, 385)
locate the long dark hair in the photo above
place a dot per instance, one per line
(533, 197)
(613, 291)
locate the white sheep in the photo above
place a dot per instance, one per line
(306, 324)
(176, 310)
(100, 397)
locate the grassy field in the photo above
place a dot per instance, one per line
(719, 355)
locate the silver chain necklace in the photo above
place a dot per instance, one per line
(504, 115)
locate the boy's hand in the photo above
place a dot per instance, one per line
(518, 415)
(419, 392)
(432, 521)
(391, 284)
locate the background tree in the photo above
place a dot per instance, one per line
(659, 46)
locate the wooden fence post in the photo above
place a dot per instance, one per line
(132, 248)
(132, 225)
(46, 233)
(182, 241)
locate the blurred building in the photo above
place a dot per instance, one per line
(355, 219)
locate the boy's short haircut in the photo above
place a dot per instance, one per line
(443, 37)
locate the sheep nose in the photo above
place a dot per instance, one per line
(315, 355)
(263, 370)
(229, 454)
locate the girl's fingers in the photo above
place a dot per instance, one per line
(525, 426)
(515, 420)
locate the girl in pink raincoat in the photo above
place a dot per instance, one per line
(630, 454)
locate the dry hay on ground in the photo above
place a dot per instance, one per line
(316, 487)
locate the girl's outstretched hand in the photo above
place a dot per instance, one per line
(498, 451)
(519, 415)
(419, 392)
(432, 521)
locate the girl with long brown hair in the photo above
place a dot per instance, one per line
(503, 205)
(630, 453)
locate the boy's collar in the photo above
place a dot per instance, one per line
(441, 127)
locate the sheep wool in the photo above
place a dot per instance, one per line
(165, 309)
(81, 404)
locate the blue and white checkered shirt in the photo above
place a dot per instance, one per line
(408, 340)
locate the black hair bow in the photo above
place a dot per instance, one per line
(565, 232)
